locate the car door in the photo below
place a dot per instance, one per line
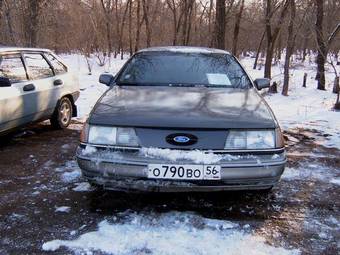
(42, 76)
(15, 100)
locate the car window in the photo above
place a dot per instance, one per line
(11, 67)
(59, 68)
(174, 68)
(37, 66)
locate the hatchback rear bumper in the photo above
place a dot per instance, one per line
(124, 172)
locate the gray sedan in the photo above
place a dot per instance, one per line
(182, 119)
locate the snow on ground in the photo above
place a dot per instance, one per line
(64, 209)
(308, 107)
(169, 233)
(70, 171)
(82, 186)
(311, 172)
(90, 88)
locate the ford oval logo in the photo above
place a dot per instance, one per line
(181, 139)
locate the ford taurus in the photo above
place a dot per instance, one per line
(182, 119)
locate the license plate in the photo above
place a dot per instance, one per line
(184, 172)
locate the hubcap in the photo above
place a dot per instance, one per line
(65, 113)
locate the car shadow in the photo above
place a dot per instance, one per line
(237, 205)
(34, 131)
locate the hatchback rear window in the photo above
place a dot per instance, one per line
(58, 67)
(192, 69)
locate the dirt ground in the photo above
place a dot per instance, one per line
(301, 212)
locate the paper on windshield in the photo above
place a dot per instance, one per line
(218, 79)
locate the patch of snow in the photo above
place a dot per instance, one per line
(66, 147)
(169, 233)
(71, 176)
(89, 150)
(83, 186)
(70, 170)
(321, 173)
(335, 181)
(65, 209)
(196, 156)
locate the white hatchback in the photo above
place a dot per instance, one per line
(35, 85)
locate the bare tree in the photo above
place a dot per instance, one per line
(107, 6)
(289, 48)
(139, 23)
(237, 27)
(146, 8)
(322, 52)
(272, 33)
(220, 24)
(34, 8)
(323, 45)
(1, 4)
(259, 49)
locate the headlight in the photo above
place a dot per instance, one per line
(109, 135)
(102, 135)
(257, 139)
(127, 137)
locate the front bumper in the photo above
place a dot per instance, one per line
(126, 170)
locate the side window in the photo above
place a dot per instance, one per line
(37, 66)
(59, 68)
(11, 67)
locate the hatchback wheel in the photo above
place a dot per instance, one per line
(62, 115)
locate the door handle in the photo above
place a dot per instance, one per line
(29, 87)
(58, 82)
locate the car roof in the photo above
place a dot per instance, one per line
(185, 49)
(15, 49)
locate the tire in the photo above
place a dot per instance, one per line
(62, 115)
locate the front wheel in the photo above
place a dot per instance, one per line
(62, 115)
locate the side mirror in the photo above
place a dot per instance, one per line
(5, 82)
(106, 79)
(262, 83)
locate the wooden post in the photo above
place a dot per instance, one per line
(336, 87)
(304, 80)
(273, 88)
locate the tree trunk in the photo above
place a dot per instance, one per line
(130, 28)
(122, 29)
(33, 23)
(259, 49)
(269, 58)
(220, 24)
(146, 6)
(1, 4)
(336, 87)
(107, 13)
(272, 35)
(289, 48)
(138, 26)
(237, 28)
(322, 53)
(9, 24)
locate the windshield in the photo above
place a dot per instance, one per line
(186, 69)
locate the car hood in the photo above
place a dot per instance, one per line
(182, 107)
